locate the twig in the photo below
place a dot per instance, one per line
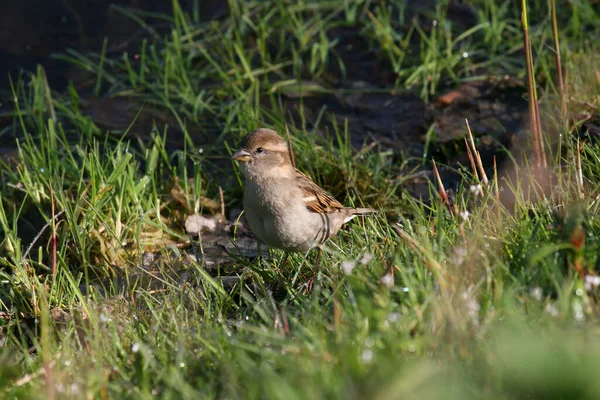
(470, 154)
(484, 177)
(538, 121)
(35, 239)
(442, 190)
(590, 105)
(559, 74)
(221, 199)
(497, 193)
(29, 377)
(535, 134)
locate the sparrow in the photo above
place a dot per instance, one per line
(284, 208)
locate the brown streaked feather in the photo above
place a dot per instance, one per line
(317, 200)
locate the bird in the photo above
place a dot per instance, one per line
(284, 208)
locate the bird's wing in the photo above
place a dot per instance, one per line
(316, 199)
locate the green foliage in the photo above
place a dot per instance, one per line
(494, 298)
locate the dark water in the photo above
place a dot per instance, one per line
(31, 31)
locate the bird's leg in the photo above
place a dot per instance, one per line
(311, 281)
(317, 261)
(277, 288)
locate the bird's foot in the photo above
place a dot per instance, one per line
(307, 287)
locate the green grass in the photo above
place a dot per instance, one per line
(499, 302)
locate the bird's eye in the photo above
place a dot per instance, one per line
(260, 150)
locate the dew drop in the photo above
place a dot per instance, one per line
(367, 356)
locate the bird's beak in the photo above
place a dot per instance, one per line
(242, 156)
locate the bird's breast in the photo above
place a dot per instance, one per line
(279, 218)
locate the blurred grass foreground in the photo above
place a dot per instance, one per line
(479, 278)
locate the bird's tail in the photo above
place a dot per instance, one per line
(362, 211)
(354, 212)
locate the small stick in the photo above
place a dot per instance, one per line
(497, 189)
(36, 238)
(470, 154)
(221, 199)
(559, 74)
(497, 193)
(484, 177)
(30, 377)
(311, 280)
(590, 105)
(535, 134)
(442, 190)
(538, 121)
